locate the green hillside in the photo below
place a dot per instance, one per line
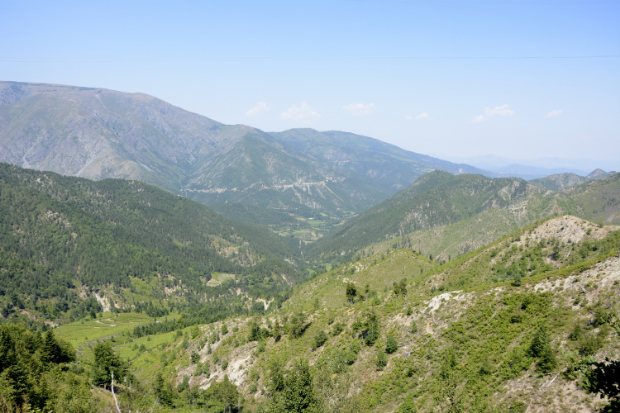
(436, 199)
(444, 216)
(69, 244)
(558, 182)
(515, 325)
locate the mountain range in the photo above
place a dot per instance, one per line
(445, 215)
(376, 280)
(98, 133)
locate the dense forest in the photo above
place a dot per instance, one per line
(62, 239)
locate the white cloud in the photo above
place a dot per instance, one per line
(359, 109)
(554, 114)
(304, 113)
(503, 110)
(407, 117)
(258, 109)
(423, 116)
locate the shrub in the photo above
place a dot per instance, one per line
(577, 333)
(590, 345)
(337, 329)
(350, 357)
(381, 360)
(391, 346)
(319, 339)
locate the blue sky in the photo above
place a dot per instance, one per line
(358, 66)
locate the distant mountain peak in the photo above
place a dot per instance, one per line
(597, 174)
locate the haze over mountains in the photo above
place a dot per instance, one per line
(98, 133)
(536, 168)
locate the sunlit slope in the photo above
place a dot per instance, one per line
(597, 201)
(436, 199)
(463, 334)
(446, 216)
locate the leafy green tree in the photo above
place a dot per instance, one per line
(541, 348)
(547, 361)
(193, 394)
(604, 378)
(229, 392)
(73, 396)
(50, 351)
(319, 339)
(539, 342)
(224, 329)
(371, 328)
(277, 330)
(351, 292)
(400, 288)
(106, 362)
(299, 394)
(382, 360)
(297, 324)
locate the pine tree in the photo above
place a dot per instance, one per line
(106, 361)
(50, 351)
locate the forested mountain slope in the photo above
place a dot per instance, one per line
(445, 215)
(59, 233)
(513, 326)
(558, 182)
(98, 133)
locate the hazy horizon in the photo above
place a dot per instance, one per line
(523, 80)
